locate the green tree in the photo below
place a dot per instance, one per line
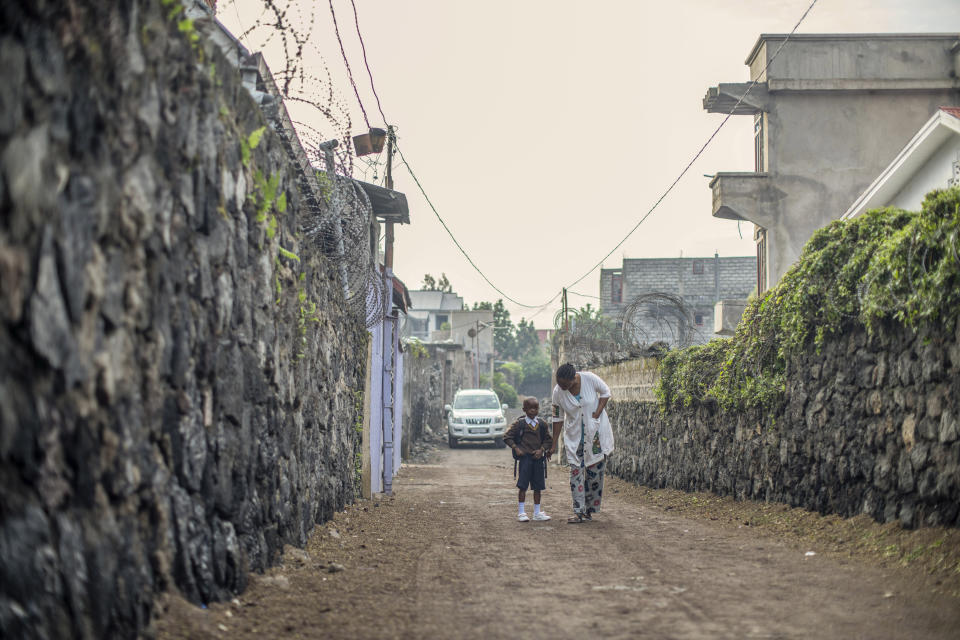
(504, 336)
(513, 372)
(526, 338)
(433, 284)
(504, 332)
(504, 390)
(537, 374)
(443, 284)
(588, 321)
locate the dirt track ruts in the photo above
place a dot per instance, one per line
(446, 558)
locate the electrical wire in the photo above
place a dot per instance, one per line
(363, 48)
(583, 295)
(702, 148)
(457, 243)
(346, 62)
(542, 307)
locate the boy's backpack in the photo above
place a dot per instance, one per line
(523, 428)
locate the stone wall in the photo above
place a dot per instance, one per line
(632, 379)
(174, 407)
(423, 393)
(870, 425)
(433, 373)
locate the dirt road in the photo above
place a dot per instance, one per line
(446, 558)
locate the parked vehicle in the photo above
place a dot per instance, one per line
(476, 414)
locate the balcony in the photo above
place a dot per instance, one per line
(725, 98)
(726, 316)
(746, 196)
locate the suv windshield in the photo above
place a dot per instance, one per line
(477, 401)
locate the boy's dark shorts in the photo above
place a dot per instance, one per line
(531, 472)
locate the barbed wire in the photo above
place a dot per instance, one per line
(304, 89)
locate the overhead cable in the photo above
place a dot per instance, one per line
(656, 204)
(457, 243)
(363, 48)
(343, 52)
(702, 148)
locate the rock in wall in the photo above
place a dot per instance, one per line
(870, 425)
(179, 371)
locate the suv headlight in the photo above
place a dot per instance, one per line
(456, 420)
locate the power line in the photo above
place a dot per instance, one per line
(583, 295)
(702, 148)
(656, 204)
(343, 52)
(363, 48)
(457, 243)
(404, 160)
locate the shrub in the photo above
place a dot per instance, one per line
(886, 264)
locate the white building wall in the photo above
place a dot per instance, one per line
(398, 415)
(934, 174)
(376, 411)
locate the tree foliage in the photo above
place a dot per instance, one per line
(433, 284)
(504, 390)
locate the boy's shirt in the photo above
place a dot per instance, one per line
(529, 437)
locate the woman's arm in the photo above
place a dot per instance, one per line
(603, 394)
(601, 403)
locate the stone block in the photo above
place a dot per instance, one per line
(949, 427)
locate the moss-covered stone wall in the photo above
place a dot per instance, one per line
(179, 372)
(840, 390)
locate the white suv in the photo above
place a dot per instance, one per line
(476, 414)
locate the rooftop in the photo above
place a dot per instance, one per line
(849, 37)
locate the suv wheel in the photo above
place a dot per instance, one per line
(500, 443)
(451, 441)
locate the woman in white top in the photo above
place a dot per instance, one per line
(587, 436)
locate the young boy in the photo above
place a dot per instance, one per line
(530, 442)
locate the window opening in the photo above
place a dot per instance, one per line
(758, 155)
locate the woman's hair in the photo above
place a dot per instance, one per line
(566, 372)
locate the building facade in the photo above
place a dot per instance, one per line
(931, 160)
(439, 317)
(830, 112)
(655, 296)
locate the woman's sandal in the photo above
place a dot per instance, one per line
(576, 519)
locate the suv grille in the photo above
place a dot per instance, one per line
(478, 420)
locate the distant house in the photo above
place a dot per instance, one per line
(658, 295)
(440, 317)
(431, 312)
(931, 160)
(829, 113)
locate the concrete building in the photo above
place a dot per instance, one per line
(830, 112)
(696, 284)
(931, 160)
(439, 317)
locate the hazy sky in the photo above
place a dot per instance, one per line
(544, 130)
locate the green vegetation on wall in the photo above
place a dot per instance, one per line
(886, 265)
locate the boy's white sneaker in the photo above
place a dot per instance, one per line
(541, 516)
(523, 517)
